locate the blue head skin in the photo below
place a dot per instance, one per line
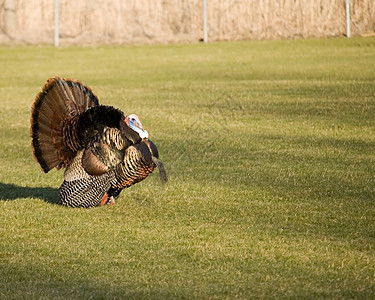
(133, 122)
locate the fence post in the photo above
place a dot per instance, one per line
(347, 9)
(205, 35)
(57, 23)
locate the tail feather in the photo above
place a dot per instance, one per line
(58, 104)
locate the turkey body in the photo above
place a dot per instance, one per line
(103, 150)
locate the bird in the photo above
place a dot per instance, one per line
(102, 150)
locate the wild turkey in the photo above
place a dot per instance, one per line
(103, 150)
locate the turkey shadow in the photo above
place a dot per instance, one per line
(10, 192)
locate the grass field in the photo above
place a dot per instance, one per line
(270, 150)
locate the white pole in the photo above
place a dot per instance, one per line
(56, 23)
(205, 35)
(347, 6)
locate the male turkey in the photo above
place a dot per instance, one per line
(103, 150)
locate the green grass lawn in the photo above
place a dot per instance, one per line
(270, 151)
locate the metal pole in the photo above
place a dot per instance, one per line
(56, 23)
(205, 35)
(347, 7)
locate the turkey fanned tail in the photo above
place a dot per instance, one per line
(54, 121)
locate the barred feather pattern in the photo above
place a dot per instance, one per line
(111, 134)
(85, 192)
(110, 147)
(80, 189)
(134, 168)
